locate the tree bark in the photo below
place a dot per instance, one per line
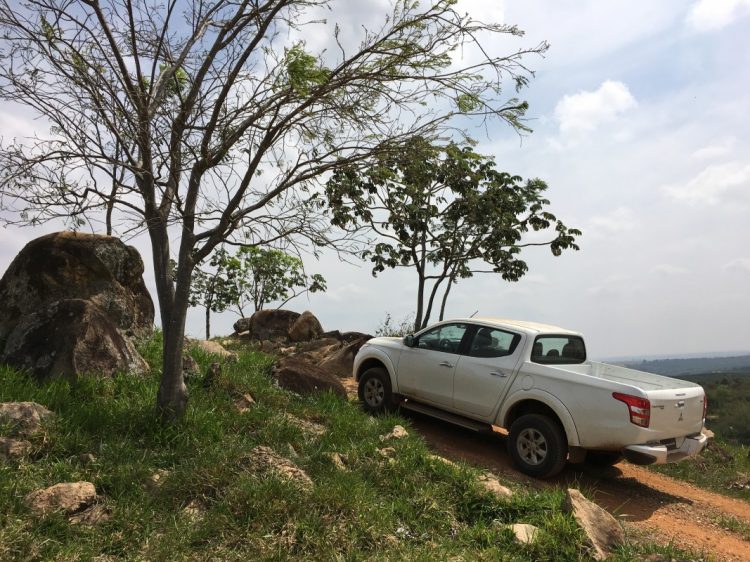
(208, 322)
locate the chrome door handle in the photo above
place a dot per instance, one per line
(498, 374)
(446, 364)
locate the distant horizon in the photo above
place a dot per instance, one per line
(667, 356)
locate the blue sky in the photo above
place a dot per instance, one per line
(640, 118)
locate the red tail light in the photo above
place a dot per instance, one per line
(639, 408)
(705, 407)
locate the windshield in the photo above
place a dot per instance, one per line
(558, 350)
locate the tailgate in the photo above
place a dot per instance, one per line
(676, 412)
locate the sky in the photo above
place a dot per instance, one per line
(640, 121)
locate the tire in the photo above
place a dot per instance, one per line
(537, 445)
(374, 391)
(603, 458)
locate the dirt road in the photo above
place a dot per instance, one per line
(657, 506)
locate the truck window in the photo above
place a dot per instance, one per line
(446, 338)
(491, 342)
(558, 350)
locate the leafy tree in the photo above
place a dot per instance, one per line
(201, 121)
(215, 290)
(263, 276)
(448, 213)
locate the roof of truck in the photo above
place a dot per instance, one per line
(529, 327)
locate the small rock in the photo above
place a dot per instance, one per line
(214, 348)
(708, 433)
(525, 534)
(338, 461)
(308, 427)
(23, 418)
(93, 515)
(68, 497)
(398, 433)
(14, 448)
(194, 510)
(212, 376)
(442, 460)
(387, 452)
(265, 459)
(602, 530)
(190, 367)
(156, 480)
(491, 483)
(86, 458)
(244, 403)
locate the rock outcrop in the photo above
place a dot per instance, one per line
(69, 303)
(302, 377)
(74, 265)
(305, 328)
(68, 338)
(267, 324)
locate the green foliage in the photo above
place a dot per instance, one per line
(447, 212)
(725, 465)
(408, 508)
(266, 275)
(303, 71)
(395, 328)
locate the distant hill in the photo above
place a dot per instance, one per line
(736, 365)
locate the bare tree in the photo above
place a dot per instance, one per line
(201, 121)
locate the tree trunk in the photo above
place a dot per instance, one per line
(172, 397)
(445, 298)
(208, 322)
(171, 400)
(420, 300)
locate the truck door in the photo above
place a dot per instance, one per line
(425, 371)
(483, 373)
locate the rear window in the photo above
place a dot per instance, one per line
(557, 350)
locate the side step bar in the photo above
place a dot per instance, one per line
(446, 416)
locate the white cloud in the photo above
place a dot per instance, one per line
(713, 184)
(618, 221)
(585, 111)
(711, 15)
(740, 265)
(668, 270)
(712, 151)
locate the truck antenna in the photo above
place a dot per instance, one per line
(473, 315)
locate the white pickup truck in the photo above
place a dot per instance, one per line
(536, 381)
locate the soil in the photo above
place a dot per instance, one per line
(650, 504)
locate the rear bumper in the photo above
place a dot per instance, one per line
(691, 446)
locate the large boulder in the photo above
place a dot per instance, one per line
(297, 375)
(270, 324)
(68, 338)
(305, 328)
(73, 265)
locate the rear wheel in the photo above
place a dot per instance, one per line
(537, 445)
(374, 391)
(603, 458)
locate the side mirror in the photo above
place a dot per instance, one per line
(409, 340)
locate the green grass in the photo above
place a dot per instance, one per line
(407, 508)
(713, 470)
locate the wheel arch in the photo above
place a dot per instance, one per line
(525, 402)
(377, 359)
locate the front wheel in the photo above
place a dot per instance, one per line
(374, 391)
(537, 445)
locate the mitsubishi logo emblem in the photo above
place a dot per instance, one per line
(680, 418)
